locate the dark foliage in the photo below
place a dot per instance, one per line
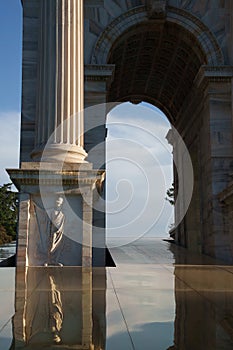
(4, 238)
(8, 213)
(171, 195)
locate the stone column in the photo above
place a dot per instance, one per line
(60, 92)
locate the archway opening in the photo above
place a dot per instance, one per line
(159, 63)
(139, 173)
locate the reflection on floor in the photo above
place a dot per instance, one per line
(158, 297)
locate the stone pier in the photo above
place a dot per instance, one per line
(53, 165)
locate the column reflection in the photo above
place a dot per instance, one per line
(60, 307)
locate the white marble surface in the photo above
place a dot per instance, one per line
(157, 295)
(7, 294)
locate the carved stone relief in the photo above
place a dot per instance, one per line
(56, 233)
(156, 8)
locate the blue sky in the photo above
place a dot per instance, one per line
(10, 58)
(10, 84)
(148, 163)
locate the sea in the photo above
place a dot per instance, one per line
(7, 250)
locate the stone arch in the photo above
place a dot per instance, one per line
(173, 61)
(139, 15)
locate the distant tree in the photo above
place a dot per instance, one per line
(4, 238)
(171, 195)
(8, 212)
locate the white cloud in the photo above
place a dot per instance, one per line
(9, 140)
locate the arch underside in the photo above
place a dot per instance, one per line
(156, 63)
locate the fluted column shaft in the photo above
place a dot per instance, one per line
(60, 96)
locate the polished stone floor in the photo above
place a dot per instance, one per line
(159, 296)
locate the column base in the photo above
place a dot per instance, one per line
(62, 153)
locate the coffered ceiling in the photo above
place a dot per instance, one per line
(155, 63)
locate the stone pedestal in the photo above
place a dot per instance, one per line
(40, 184)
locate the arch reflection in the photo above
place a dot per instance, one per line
(204, 302)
